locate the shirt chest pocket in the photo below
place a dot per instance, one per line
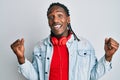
(40, 55)
(84, 56)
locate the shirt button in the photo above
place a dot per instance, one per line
(50, 45)
(85, 53)
(48, 58)
(45, 72)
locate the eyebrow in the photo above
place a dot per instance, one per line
(58, 11)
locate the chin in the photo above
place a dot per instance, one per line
(58, 35)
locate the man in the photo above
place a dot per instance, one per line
(62, 55)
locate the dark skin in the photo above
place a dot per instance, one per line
(111, 46)
(58, 21)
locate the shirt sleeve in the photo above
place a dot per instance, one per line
(27, 69)
(100, 68)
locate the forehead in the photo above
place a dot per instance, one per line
(56, 9)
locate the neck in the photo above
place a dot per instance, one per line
(61, 35)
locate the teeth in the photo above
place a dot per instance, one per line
(57, 26)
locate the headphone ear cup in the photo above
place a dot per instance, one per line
(63, 41)
(54, 41)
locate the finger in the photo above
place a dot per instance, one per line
(117, 45)
(15, 43)
(112, 41)
(114, 46)
(15, 49)
(106, 40)
(108, 43)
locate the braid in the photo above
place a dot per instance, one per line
(70, 28)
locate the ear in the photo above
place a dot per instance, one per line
(68, 19)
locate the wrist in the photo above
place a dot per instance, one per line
(21, 60)
(108, 58)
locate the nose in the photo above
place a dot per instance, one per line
(55, 19)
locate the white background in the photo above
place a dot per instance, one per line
(93, 19)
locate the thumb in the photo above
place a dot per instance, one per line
(106, 40)
(22, 41)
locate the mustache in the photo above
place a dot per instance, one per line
(56, 23)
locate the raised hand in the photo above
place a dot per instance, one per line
(18, 49)
(111, 46)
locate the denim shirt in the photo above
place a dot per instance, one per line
(83, 64)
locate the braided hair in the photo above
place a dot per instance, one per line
(68, 14)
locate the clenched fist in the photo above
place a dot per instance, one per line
(111, 47)
(18, 49)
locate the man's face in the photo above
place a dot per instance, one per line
(58, 20)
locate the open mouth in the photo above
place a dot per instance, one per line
(56, 27)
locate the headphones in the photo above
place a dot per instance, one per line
(61, 41)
